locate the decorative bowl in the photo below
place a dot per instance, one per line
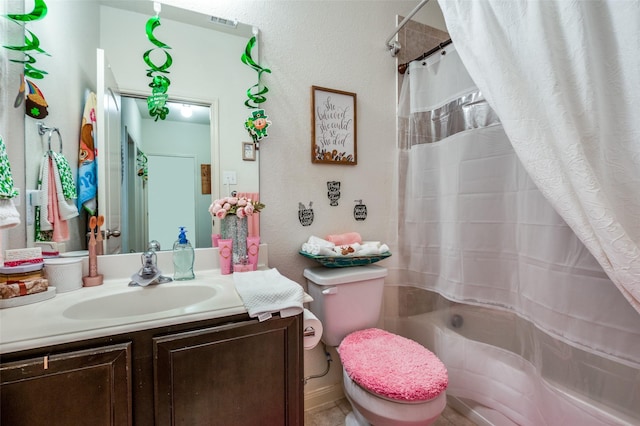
(345, 261)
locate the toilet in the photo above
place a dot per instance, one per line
(388, 379)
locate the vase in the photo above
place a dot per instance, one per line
(236, 229)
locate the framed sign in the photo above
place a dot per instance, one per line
(248, 151)
(333, 126)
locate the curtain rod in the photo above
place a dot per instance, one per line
(395, 46)
(402, 68)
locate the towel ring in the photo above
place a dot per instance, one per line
(59, 138)
(42, 129)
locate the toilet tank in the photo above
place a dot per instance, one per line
(345, 299)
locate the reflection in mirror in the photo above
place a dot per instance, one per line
(206, 70)
(166, 176)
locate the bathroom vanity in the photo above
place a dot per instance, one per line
(226, 371)
(205, 363)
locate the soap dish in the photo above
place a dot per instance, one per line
(346, 261)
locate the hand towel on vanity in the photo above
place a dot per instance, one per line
(267, 292)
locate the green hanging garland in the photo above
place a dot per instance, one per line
(159, 81)
(31, 41)
(258, 122)
(254, 99)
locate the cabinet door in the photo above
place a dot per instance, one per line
(88, 387)
(243, 374)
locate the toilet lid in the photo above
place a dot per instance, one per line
(392, 366)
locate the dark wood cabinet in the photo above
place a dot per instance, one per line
(223, 371)
(67, 389)
(243, 374)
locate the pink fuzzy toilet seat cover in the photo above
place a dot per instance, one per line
(392, 366)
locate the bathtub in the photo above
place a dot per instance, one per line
(503, 363)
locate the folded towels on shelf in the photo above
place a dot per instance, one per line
(319, 247)
(318, 250)
(317, 241)
(267, 292)
(373, 248)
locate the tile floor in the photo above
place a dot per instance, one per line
(333, 414)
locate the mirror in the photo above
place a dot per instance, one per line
(149, 149)
(206, 72)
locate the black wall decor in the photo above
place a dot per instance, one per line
(333, 192)
(360, 211)
(305, 215)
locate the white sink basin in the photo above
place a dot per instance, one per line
(140, 301)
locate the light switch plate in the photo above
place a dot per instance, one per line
(229, 177)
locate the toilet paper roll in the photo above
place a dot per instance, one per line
(312, 329)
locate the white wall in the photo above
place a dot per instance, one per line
(339, 45)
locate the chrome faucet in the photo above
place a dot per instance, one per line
(149, 274)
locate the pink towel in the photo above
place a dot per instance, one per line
(60, 226)
(344, 239)
(392, 366)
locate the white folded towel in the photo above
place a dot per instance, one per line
(369, 248)
(317, 250)
(267, 292)
(317, 241)
(367, 251)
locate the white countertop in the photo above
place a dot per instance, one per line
(44, 323)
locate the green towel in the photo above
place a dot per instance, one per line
(6, 179)
(66, 177)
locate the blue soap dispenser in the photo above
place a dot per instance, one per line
(183, 257)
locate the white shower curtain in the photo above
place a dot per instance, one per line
(475, 228)
(564, 77)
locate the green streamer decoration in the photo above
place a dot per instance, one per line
(255, 94)
(157, 102)
(31, 41)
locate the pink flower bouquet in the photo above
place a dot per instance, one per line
(239, 206)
